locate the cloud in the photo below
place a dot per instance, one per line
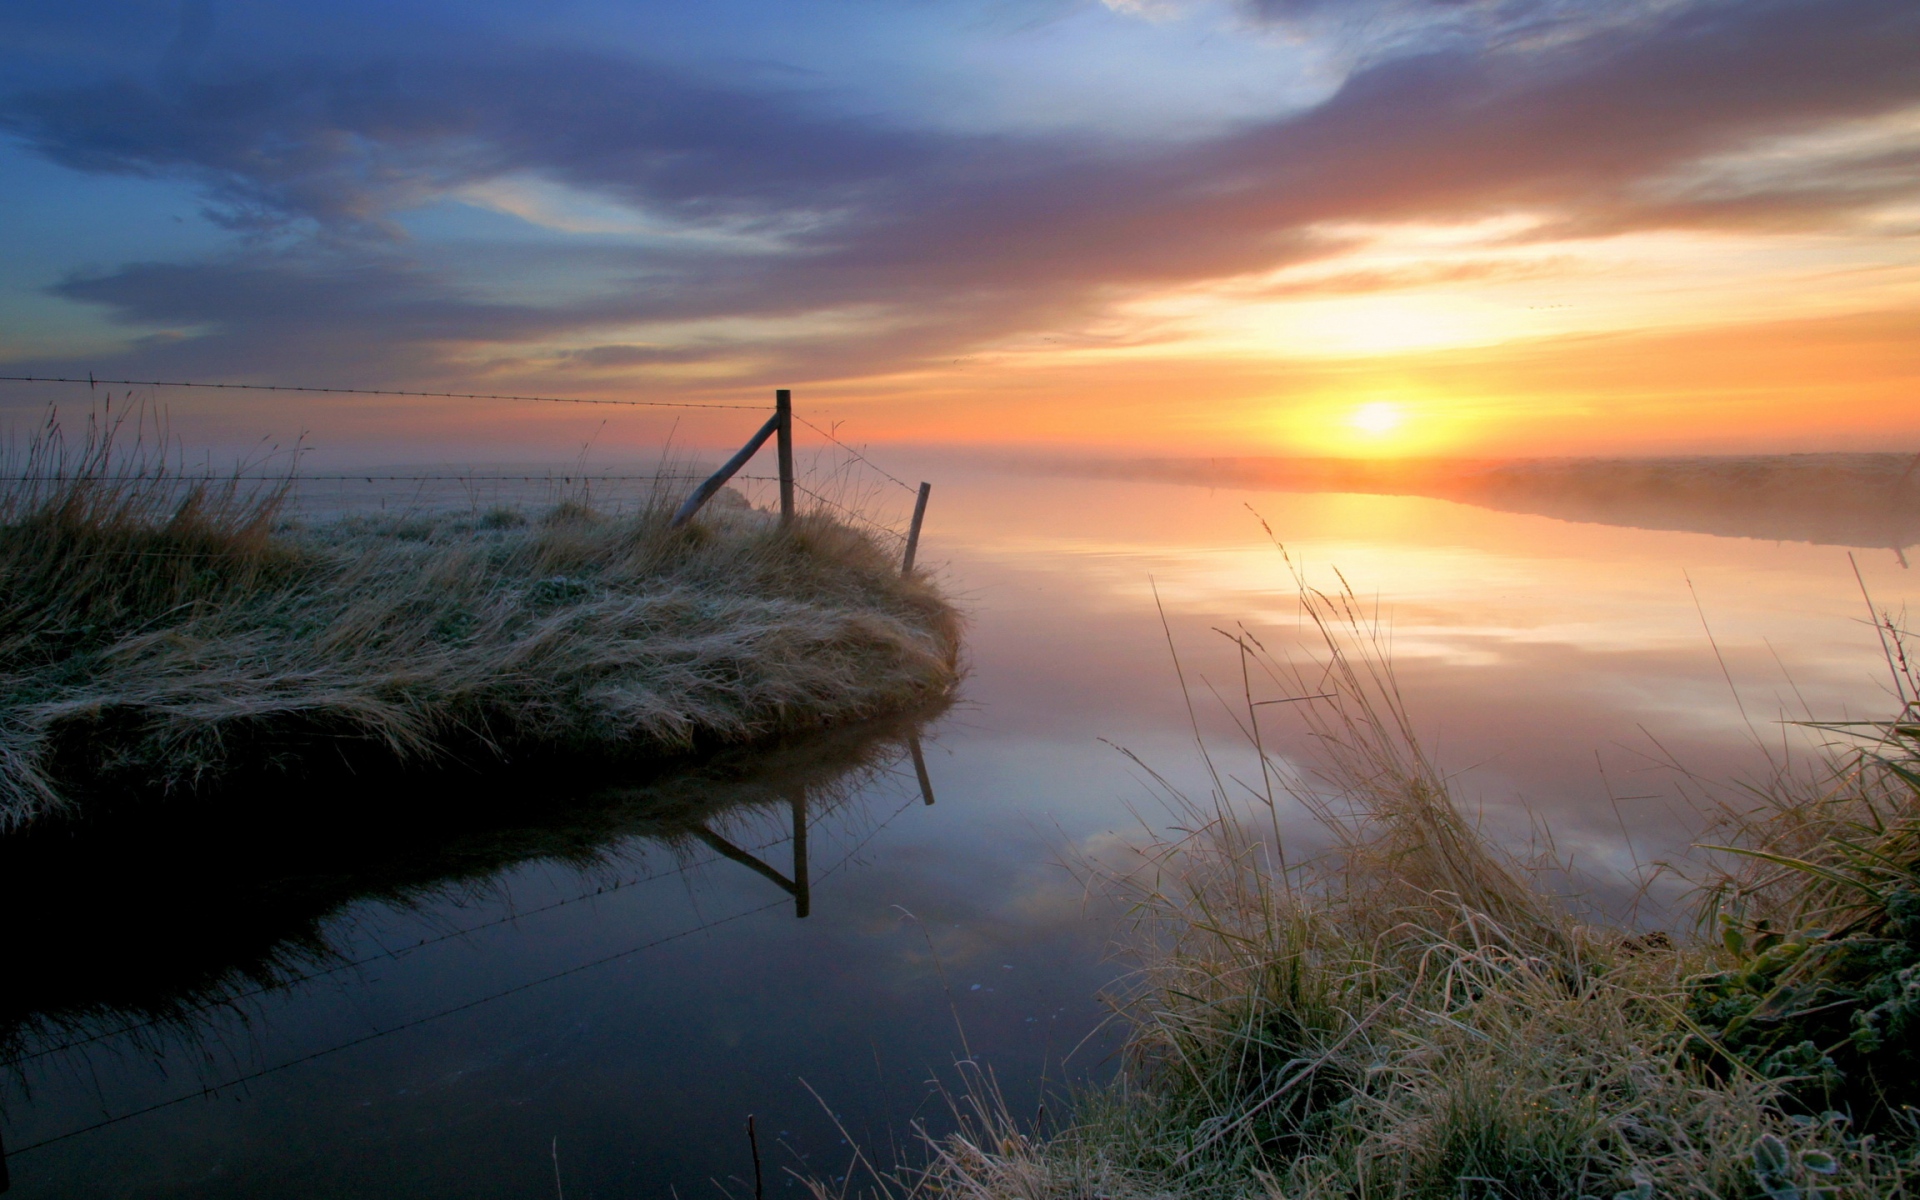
(1582, 122)
(1416, 275)
(634, 356)
(347, 146)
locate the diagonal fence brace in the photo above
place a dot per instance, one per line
(719, 478)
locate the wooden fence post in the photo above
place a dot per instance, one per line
(783, 412)
(718, 479)
(920, 766)
(913, 531)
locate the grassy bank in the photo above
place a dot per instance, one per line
(1412, 1013)
(161, 632)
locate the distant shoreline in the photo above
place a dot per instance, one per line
(1855, 500)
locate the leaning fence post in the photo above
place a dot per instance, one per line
(783, 412)
(913, 531)
(718, 479)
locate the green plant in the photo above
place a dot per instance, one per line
(1822, 926)
(1408, 1015)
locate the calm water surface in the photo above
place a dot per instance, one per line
(605, 977)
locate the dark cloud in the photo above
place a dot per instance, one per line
(346, 147)
(952, 239)
(1479, 17)
(356, 319)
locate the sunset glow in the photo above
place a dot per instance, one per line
(575, 570)
(1377, 419)
(1195, 226)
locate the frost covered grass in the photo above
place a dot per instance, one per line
(1412, 1013)
(168, 631)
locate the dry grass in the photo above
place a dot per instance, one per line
(161, 630)
(1409, 1014)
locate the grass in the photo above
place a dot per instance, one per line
(1412, 1014)
(162, 630)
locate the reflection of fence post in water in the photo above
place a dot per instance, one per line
(802, 895)
(797, 886)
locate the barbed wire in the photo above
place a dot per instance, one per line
(457, 1008)
(90, 381)
(380, 1033)
(250, 1077)
(385, 955)
(860, 517)
(850, 450)
(350, 478)
(93, 381)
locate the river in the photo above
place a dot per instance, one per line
(356, 1001)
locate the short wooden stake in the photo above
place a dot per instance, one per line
(753, 1144)
(783, 412)
(920, 766)
(913, 531)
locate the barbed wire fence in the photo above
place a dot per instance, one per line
(840, 478)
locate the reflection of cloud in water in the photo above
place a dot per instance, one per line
(1534, 652)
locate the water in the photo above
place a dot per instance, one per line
(532, 968)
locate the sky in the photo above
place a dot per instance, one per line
(1352, 227)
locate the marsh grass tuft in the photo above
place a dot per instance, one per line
(161, 630)
(1409, 1013)
(1820, 925)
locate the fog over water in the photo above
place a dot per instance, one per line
(427, 1005)
(1866, 500)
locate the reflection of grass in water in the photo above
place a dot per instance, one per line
(149, 924)
(157, 631)
(1410, 1015)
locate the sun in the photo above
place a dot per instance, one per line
(1377, 419)
(1384, 422)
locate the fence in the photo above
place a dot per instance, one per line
(805, 802)
(779, 428)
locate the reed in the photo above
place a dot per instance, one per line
(1409, 1013)
(166, 630)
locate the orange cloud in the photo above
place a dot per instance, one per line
(1849, 382)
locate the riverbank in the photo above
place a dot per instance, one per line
(169, 635)
(1861, 500)
(1414, 1013)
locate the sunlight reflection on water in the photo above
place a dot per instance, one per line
(1552, 665)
